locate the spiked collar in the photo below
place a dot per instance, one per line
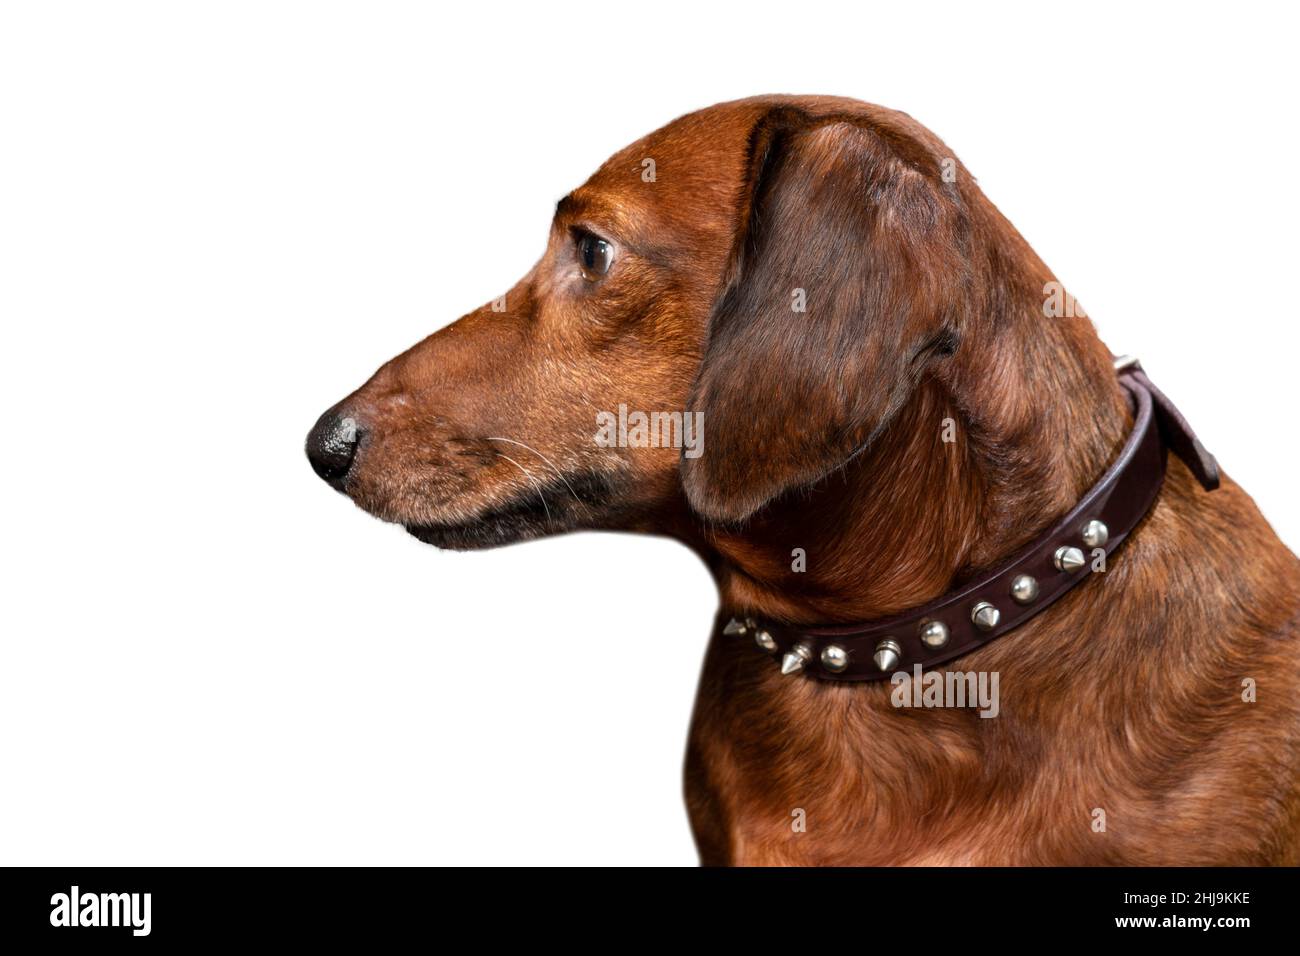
(1000, 600)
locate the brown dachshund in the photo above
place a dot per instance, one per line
(862, 338)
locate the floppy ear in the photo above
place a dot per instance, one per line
(841, 285)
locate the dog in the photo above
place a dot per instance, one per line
(863, 338)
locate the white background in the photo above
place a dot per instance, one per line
(218, 219)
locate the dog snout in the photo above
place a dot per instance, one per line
(332, 445)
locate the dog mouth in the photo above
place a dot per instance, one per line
(552, 507)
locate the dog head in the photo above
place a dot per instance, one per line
(728, 310)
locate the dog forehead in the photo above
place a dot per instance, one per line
(693, 150)
(691, 171)
(678, 185)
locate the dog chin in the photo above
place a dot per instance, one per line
(481, 534)
(555, 508)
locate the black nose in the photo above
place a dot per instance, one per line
(331, 444)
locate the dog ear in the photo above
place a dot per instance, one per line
(839, 291)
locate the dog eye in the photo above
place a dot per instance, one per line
(595, 256)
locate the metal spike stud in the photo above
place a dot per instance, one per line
(934, 634)
(1024, 589)
(834, 658)
(1068, 559)
(985, 616)
(887, 655)
(1095, 534)
(764, 640)
(795, 658)
(734, 626)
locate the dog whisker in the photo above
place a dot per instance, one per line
(559, 474)
(529, 476)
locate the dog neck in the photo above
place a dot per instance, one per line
(985, 454)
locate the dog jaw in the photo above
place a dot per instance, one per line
(554, 507)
